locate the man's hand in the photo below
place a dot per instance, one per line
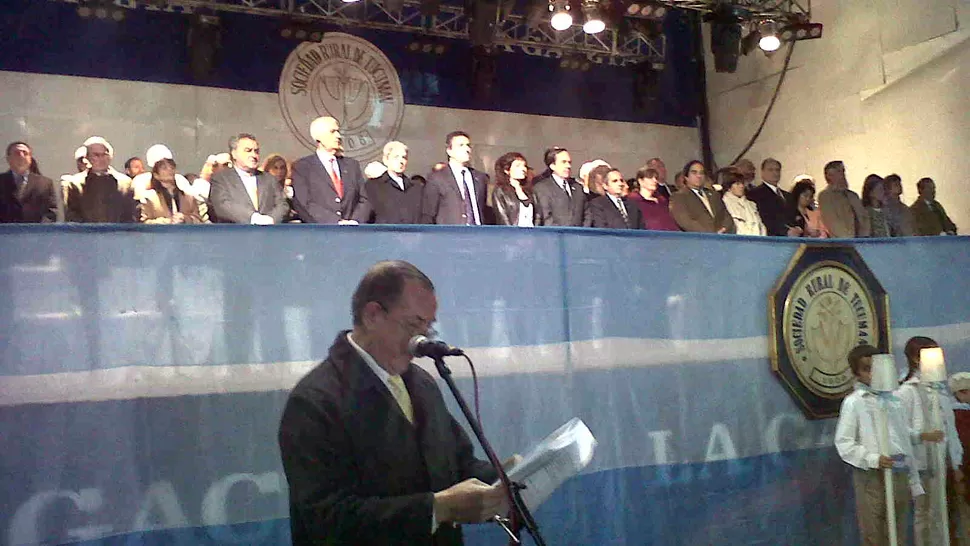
(507, 464)
(347, 223)
(934, 436)
(885, 462)
(794, 231)
(470, 501)
(178, 218)
(262, 219)
(722, 230)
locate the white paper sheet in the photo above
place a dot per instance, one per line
(560, 456)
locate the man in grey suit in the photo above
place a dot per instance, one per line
(328, 188)
(242, 194)
(26, 196)
(559, 199)
(456, 193)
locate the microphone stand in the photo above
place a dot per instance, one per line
(520, 512)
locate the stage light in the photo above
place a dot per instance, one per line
(594, 17)
(642, 9)
(769, 40)
(561, 18)
(349, 1)
(101, 9)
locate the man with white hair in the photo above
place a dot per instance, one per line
(394, 198)
(99, 194)
(329, 188)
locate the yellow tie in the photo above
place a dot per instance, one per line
(400, 392)
(252, 196)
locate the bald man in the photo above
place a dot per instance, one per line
(328, 188)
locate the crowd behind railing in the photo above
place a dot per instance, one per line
(327, 187)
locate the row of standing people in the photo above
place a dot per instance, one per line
(327, 187)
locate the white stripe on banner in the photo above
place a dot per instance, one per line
(609, 353)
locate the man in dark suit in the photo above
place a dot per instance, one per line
(612, 211)
(559, 199)
(371, 453)
(456, 193)
(394, 198)
(328, 188)
(26, 196)
(929, 216)
(772, 201)
(242, 194)
(663, 189)
(697, 209)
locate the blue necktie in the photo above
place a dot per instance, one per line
(469, 196)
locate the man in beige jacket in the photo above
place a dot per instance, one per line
(841, 208)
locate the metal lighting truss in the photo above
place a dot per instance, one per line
(513, 32)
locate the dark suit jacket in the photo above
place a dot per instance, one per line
(359, 472)
(691, 215)
(390, 204)
(773, 209)
(443, 203)
(555, 208)
(40, 201)
(229, 201)
(315, 197)
(929, 220)
(665, 190)
(604, 214)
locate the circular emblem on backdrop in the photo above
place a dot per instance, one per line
(828, 312)
(824, 305)
(349, 79)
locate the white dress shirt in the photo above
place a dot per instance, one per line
(855, 434)
(526, 216)
(563, 184)
(397, 180)
(327, 159)
(460, 173)
(249, 181)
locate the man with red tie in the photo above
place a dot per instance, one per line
(328, 188)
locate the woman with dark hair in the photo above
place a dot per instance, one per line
(802, 211)
(512, 198)
(873, 199)
(747, 219)
(164, 202)
(654, 207)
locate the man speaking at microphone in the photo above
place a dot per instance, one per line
(371, 453)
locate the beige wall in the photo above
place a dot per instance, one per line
(55, 114)
(885, 90)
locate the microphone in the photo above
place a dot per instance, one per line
(422, 346)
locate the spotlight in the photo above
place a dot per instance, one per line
(769, 40)
(650, 10)
(301, 31)
(349, 1)
(561, 18)
(801, 31)
(594, 18)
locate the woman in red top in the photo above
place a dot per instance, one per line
(653, 206)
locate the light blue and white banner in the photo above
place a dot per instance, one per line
(143, 371)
